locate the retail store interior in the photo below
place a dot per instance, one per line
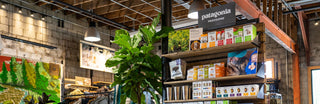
(159, 52)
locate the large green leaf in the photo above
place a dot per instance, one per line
(123, 39)
(136, 40)
(114, 61)
(156, 21)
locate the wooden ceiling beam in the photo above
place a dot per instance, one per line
(79, 2)
(104, 11)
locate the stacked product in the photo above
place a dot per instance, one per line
(193, 39)
(233, 91)
(206, 71)
(221, 102)
(203, 90)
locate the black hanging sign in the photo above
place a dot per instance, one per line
(217, 17)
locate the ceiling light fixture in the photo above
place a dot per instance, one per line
(31, 14)
(20, 10)
(316, 23)
(92, 34)
(43, 17)
(3, 6)
(195, 6)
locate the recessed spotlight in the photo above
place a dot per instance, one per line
(316, 23)
(20, 10)
(31, 14)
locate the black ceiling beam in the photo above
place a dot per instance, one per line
(303, 9)
(93, 15)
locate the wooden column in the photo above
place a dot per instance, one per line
(295, 67)
(275, 12)
(264, 6)
(270, 9)
(258, 3)
(280, 16)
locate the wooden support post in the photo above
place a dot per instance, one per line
(264, 6)
(280, 16)
(275, 12)
(289, 25)
(258, 3)
(304, 36)
(270, 9)
(295, 68)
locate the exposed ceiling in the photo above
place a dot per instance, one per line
(130, 13)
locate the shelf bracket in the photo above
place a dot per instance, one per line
(261, 72)
(261, 92)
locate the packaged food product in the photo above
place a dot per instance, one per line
(206, 89)
(201, 72)
(226, 91)
(178, 69)
(250, 32)
(246, 90)
(220, 69)
(229, 35)
(232, 91)
(221, 38)
(196, 90)
(206, 71)
(194, 38)
(210, 102)
(190, 74)
(219, 92)
(212, 71)
(242, 62)
(212, 38)
(254, 90)
(195, 74)
(238, 35)
(204, 41)
(239, 90)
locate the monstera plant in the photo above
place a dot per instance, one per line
(138, 69)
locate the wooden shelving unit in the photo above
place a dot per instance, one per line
(212, 99)
(220, 54)
(252, 76)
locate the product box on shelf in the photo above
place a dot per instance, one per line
(212, 38)
(219, 69)
(204, 41)
(177, 69)
(169, 93)
(206, 71)
(220, 38)
(254, 90)
(195, 35)
(195, 74)
(190, 74)
(238, 35)
(178, 41)
(201, 72)
(232, 91)
(177, 93)
(212, 71)
(185, 92)
(250, 32)
(219, 92)
(206, 89)
(240, 90)
(226, 91)
(246, 90)
(229, 35)
(226, 102)
(196, 90)
(242, 62)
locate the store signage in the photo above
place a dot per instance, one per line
(217, 17)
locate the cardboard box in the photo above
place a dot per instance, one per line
(212, 71)
(206, 71)
(220, 69)
(201, 72)
(232, 91)
(196, 90)
(190, 74)
(204, 41)
(195, 74)
(238, 35)
(219, 92)
(220, 38)
(178, 69)
(195, 35)
(229, 35)
(254, 90)
(246, 90)
(206, 89)
(226, 91)
(178, 41)
(250, 32)
(242, 62)
(212, 38)
(239, 90)
(169, 93)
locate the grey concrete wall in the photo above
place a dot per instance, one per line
(47, 32)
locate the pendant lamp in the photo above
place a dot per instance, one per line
(195, 6)
(92, 34)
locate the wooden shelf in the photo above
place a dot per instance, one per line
(212, 99)
(213, 50)
(83, 86)
(102, 82)
(251, 76)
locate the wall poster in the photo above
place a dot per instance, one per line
(94, 56)
(22, 80)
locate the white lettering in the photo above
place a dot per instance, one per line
(216, 14)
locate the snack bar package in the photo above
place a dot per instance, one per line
(204, 41)
(194, 38)
(212, 38)
(212, 71)
(190, 74)
(254, 90)
(178, 69)
(201, 72)
(206, 71)
(220, 69)
(238, 35)
(250, 32)
(220, 38)
(229, 35)
(196, 90)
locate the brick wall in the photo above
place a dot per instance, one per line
(47, 32)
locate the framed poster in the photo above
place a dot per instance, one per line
(314, 84)
(94, 56)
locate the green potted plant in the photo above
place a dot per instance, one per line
(137, 68)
